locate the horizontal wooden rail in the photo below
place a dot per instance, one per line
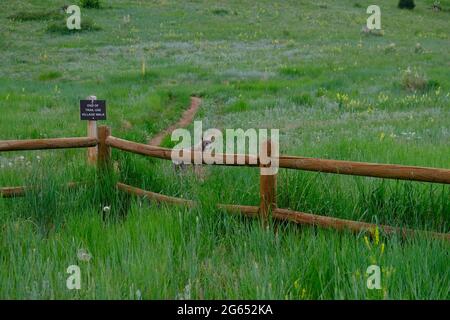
(165, 153)
(154, 196)
(288, 215)
(248, 210)
(367, 169)
(12, 192)
(354, 226)
(139, 148)
(389, 171)
(38, 144)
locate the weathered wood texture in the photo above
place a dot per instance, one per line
(165, 153)
(268, 182)
(367, 169)
(154, 196)
(267, 189)
(104, 150)
(389, 171)
(92, 133)
(38, 144)
(247, 210)
(342, 224)
(288, 215)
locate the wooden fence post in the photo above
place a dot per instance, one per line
(267, 188)
(104, 151)
(105, 184)
(92, 133)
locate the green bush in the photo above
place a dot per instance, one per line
(91, 4)
(220, 12)
(406, 4)
(51, 75)
(413, 80)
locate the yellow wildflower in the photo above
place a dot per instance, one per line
(366, 240)
(303, 296)
(377, 233)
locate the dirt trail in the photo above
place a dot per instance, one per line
(185, 120)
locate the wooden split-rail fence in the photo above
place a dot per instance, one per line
(104, 142)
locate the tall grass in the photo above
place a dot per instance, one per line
(161, 252)
(299, 67)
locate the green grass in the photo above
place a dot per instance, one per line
(61, 27)
(35, 15)
(304, 68)
(51, 75)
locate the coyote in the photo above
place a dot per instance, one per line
(181, 166)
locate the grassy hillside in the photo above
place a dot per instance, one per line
(303, 67)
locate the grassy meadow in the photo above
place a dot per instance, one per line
(303, 67)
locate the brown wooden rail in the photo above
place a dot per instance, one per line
(390, 171)
(165, 153)
(12, 192)
(287, 215)
(38, 144)
(246, 210)
(268, 204)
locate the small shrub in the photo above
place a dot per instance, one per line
(418, 48)
(90, 4)
(390, 48)
(413, 80)
(286, 33)
(406, 4)
(436, 6)
(50, 75)
(433, 85)
(321, 92)
(220, 12)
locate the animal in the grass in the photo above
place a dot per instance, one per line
(202, 146)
